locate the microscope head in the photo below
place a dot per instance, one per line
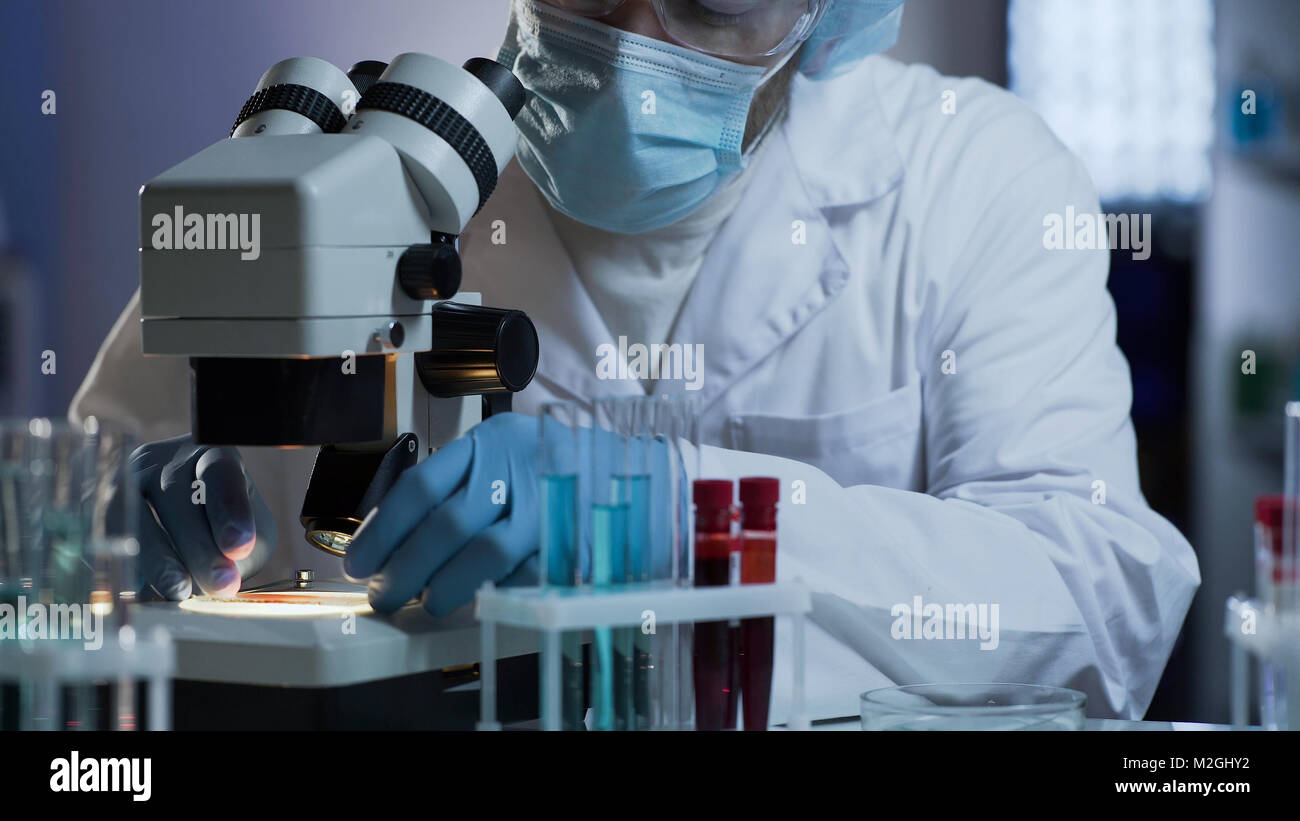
(306, 267)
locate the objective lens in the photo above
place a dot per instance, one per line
(331, 541)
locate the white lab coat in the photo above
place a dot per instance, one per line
(881, 323)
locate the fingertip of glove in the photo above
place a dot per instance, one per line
(436, 607)
(237, 541)
(380, 598)
(173, 585)
(353, 567)
(225, 582)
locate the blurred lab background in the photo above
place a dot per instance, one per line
(1148, 92)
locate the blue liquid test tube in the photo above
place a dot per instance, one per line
(561, 542)
(611, 689)
(630, 486)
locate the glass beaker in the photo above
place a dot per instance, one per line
(972, 706)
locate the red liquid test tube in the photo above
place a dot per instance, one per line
(714, 653)
(758, 498)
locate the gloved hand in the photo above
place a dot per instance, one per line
(440, 530)
(202, 522)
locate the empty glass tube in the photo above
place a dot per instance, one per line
(671, 426)
(1287, 599)
(637, 487)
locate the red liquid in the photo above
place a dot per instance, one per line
(714, 654)
(757, 636)
(737, 658)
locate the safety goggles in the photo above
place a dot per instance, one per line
(725, 28)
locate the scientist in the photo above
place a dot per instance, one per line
(855, 249)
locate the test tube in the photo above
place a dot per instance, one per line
(609, 529)
(1268, 583)
(1288, 605)
(630, 487)
(1287, 592)
(561, 548)
(672, 426)
(715, 667)
(758, 501)
(112, 553)
(672, 421)
(16, 529)
(643, 453)
(63, 469)
(20, 529)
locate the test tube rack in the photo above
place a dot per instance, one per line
(45, 667)
(553, 611)
(1268, 634)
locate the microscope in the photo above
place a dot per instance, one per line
(307, 267)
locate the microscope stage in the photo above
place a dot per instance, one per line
(337, 642)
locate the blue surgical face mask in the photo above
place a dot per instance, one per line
(623, 132)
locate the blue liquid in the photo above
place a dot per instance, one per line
(608, 550)
(558, 540)
(631, 646)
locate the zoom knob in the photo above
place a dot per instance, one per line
(478, 350)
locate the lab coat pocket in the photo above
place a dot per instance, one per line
(878, 443)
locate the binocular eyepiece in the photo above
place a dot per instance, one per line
(453, 126)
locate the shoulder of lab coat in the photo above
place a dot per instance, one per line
(150, 394)
(1032, 498)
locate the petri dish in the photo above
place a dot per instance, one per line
(973, 706)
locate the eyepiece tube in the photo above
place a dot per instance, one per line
(301, 95)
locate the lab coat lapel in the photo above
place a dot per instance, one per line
(778, 260)
(526, 266)
(771, 269)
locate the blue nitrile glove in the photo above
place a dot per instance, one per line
(203, 521)
(439, 529)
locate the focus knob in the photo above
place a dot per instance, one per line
(430, 271)
(478, 350)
